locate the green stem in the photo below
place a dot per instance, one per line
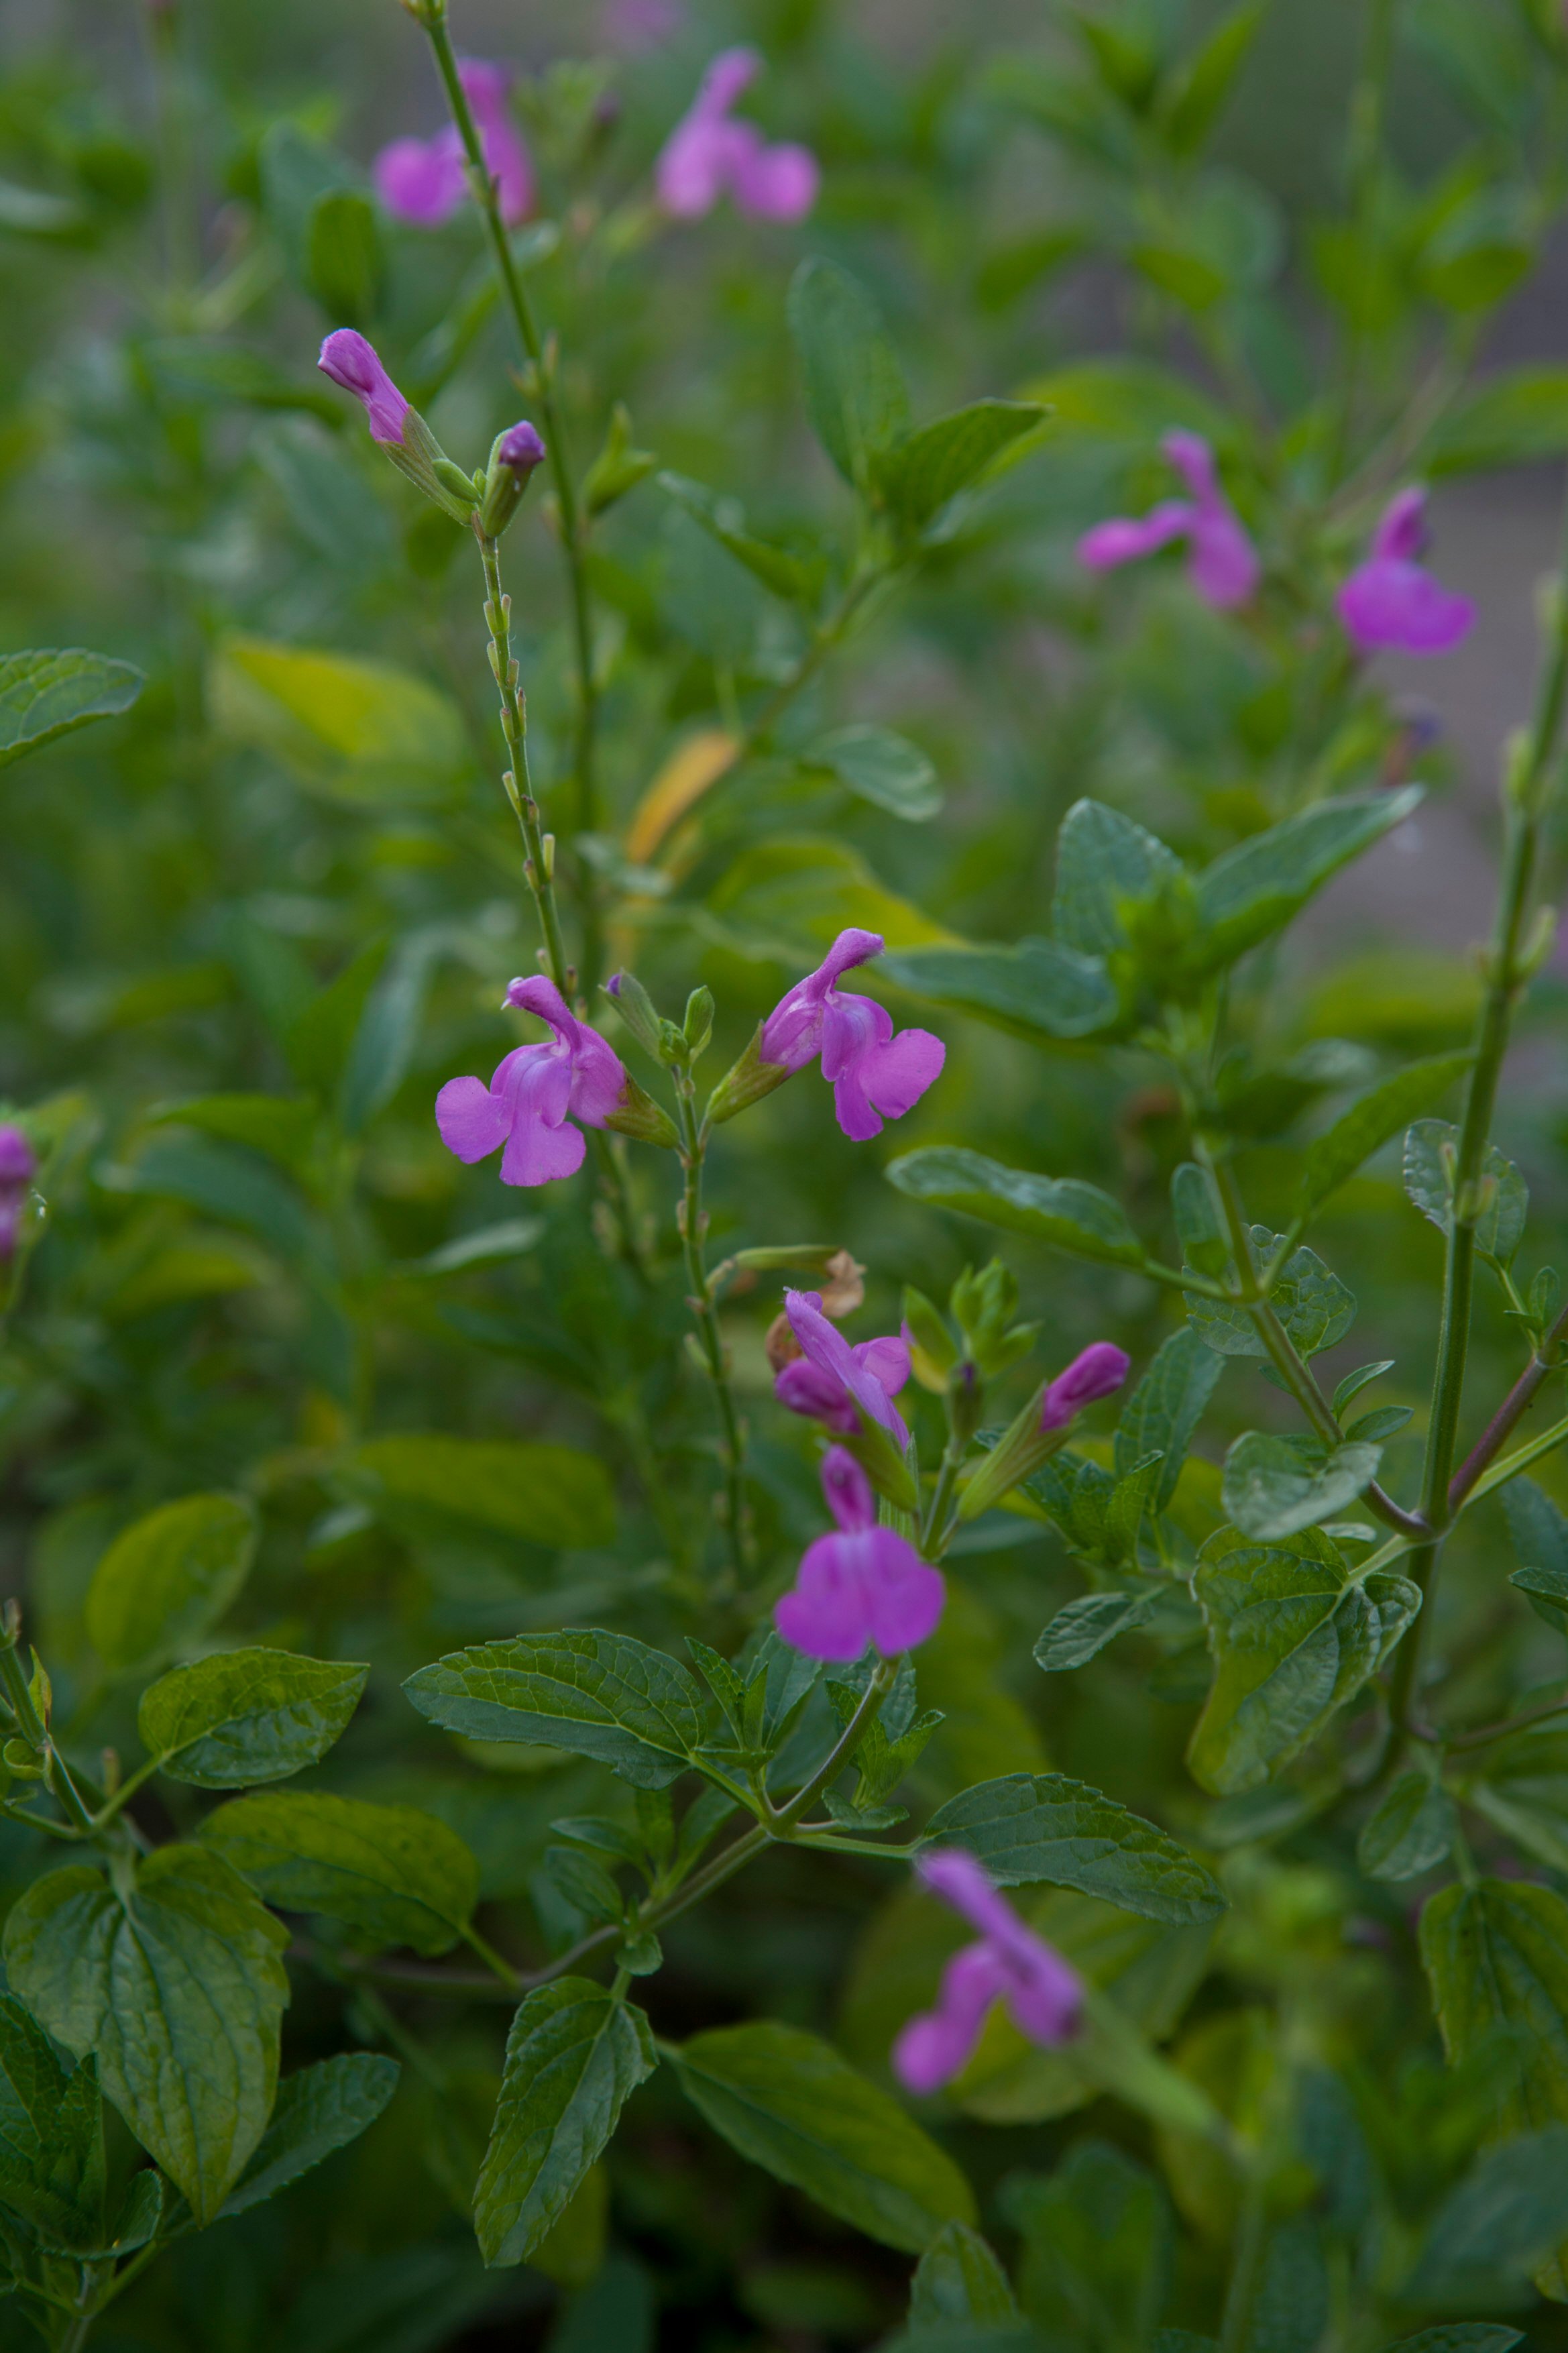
(540, 372)
(934, 1535)
(1369, 105)
(539, 852)
(692, 1220)
(1520, 1460)
(502, 1969)
(56, 1772)
(1247, 2270)
(806, 1796)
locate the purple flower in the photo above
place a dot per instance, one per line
(18, 1165)
(831, 1378)
(874, 1074)
(709, 154)
(1009, 1964)
(350, 361)
(862, 1585)
(520, 448)
(1391, 600)
(637, 25)
(1222, 563)
(424, 179)
(1099, 1372)
(536, 1094)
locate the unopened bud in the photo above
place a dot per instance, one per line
(514, 457)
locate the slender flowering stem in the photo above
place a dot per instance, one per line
(882, 1679)
(539, 858)
(692, 1220)
(432, 15)
(1526, 792)
(1512, 1411)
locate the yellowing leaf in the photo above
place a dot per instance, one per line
(358, 731)
(691, 770)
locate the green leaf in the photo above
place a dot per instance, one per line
(959, 2278)
(230, 1185)
(210, 371)
(344, 265)
(789, 2103)
(1496, 1955)
(1522, 1787)
(1429, 1171)
(1294, 1637)
(1256, 888)
(1410, 1831)
(1037, 989)
(317, 2109)
(283, 1126)
(797, 580)
(920, 475)
(51, 2135)
(169, 1578)
(1274, 1488)
(1074, 1217)
(574, 2057)
(1106, 866)
(1460, 2337)
(1503, 2222)
(1515, 419)
(854, 385)
(1370, 1122)
(1083, 1629)
(603, 1695)
(1197, 95)
(396, 1875)
(551, 1495)
(247, 1716)
(1165, 1409)
(383, 1047)
(880, 767)
(1311, 1300)
(359, 731)
(177, 1986)
(47, 695)
(1098, 2245)
(1540, 1534)
(1040, 1826)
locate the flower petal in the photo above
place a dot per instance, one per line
(1126, 539)
(887, 1360)
(1401, 607)
(935, 2047)
(472, 1121)
(419, 180)
(828, 1347)
(1401, 534)
(806, 1388)
(777, 183)
(536, 1152)
(849, 1492)
(905, 1596)
(824, 1614)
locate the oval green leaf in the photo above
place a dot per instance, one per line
(169, 1578)
(392, 1875)
(245, 1717)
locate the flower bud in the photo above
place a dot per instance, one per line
(636, 1009)
(514, 455)
(18, 1165)
(745, 1082)
(637, 1115)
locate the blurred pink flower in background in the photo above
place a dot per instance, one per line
(634, 25)
(1222, 563)
(1010, 1964)
(709, 154)
(863, 1584)
(423, 180)
(1391, 600)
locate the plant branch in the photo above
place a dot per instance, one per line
(1513, 1408)
(692, 1219)
(539, 850)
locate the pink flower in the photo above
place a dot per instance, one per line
(1099, 1372)
(536, 1094)
(350, 361)
(832, 1377)
(423, 180)
(1009, 1964)
(636, 25)
(18, 1166)
(874, 1074)
(709, 154)
(862, 1585)
(1391, 600)
(1222, 563)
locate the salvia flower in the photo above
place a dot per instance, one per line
(535, 1094)
(1099, 1372)
(1222, 563)
(354, 362)
(833, 1382)
(515, 455)
(709, 154)
(1010, 1964)
(18, 1166)
(874, 1074)
(424, 179)
(1391, 600)
(863, 1584)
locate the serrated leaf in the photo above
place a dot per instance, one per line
(1074, 1217)
(1255, 889)
(1029, 1827)
(1338, 1152)
(1272, 1489)
(788, 2102)
(1428, 1182)
(574, 2057)
(880, 767)
(245, 1717)
(603, 1695)
(1503, 2222)
(1309, 1300)
(51, 2135)
(1037, 989)
(45, 695)
(1165, 1409)
(178, 1987)
(1521, 1788)
(1410, 1831)
(396, 1876)
(795, 578)
(921, 474)
(1106, 865)
(1293, 1637)
(551, 1495)
(959, 2278)
(1085, 1626)
(1496, 1955)
(169, 1578)
(317, 2109)
(854, 385)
